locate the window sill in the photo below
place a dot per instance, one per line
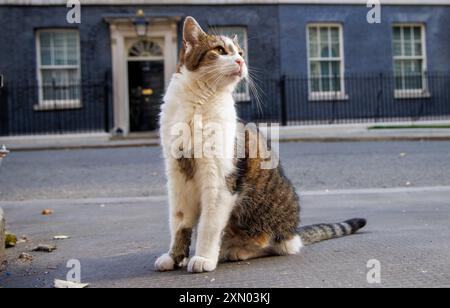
(415, 94)
(318, 97)
(58, 105)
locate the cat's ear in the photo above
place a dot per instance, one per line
(192, 32)
(235, 39)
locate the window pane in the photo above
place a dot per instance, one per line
(413, 67)
(336, 74)
(417, 34)
(314, 50)
(72, 48)
(324, 51)
(407, 35)
(407, 41)
(315, 69)
(60, 77)
(397, 49)
(60, 85)
(335, 50)
(397, 34)
(46, 56)
(413, 82)
(315, 76)
(335, 35)
(398, 71)
(417, 67)
(408, 49)
(398, 68)
(335, 45)
(336, 84)
(324, 43)
(407, 67)
(326, 74)
(59, 48)
(325, 68)
(418, 49)
(46, 52)
(313, 42)
(399, 83)
(335, 68)
(315, 85)
(409, 75)
(326, 84)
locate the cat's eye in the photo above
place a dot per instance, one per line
(221, 51)
(241, 53)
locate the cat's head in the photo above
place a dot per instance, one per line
(217, 60)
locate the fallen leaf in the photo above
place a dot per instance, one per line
(45, 248)
(47, 212)
(26, 256)
(62, 284)
(10, 240)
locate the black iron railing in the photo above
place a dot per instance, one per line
(28, 109)
(355, 98)
(58, 108)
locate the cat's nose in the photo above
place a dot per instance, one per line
(240, 62)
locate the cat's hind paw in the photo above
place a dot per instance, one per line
(165, 263)
(200, 265)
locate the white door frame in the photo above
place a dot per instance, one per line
(121, 32)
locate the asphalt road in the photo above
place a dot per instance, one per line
(115, 213)
(117, 242)
(136, 172)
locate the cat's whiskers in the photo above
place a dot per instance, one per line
(255, 90)
(217, 73)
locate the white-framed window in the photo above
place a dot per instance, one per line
(242, 91)
(410, 61)
(326, 61)
(58, 59)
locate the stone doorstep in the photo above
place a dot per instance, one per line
(2, 240)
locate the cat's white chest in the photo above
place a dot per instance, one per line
(208, 123)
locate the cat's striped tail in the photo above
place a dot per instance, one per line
(322, 232)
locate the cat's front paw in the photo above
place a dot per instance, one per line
(200, 265)
(165, 263)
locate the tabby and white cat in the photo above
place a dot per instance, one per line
(240, 210)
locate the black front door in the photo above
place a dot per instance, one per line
(146, 84)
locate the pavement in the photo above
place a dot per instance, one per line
(117, 241)
(112, 204)
(360, 132)
(310, 133)
(77, 141)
